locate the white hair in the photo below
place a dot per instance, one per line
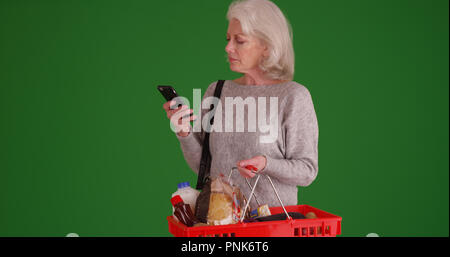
(265, 21)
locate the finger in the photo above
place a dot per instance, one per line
(184, 128)
(179, 116)
(180, 126)
(244, 163)
(185, 120)
(168, 104)
(170, 113)
(245, 173)
(182, 107)
(176, 105)
(249, 168)
(193, 117)
(188, 118)
(185, 114)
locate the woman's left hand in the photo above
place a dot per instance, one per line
(259, 162)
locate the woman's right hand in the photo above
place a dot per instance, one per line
(182, 125)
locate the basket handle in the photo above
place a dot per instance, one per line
(279, 199)
(246, 181)
(256, 198)
(252, 193)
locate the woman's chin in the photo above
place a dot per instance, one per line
(234, 68)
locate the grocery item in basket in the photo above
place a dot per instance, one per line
(200, 224)
(202, 204)
(183, 211)
(261, 211)
(250, 220)
(219, 203)
(187, 193)
(220, 209)
(281, 216)
(310, 215)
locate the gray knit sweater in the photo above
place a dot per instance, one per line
(292, 159)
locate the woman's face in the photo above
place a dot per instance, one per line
(244, 52)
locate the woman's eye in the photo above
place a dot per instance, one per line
(237, 41)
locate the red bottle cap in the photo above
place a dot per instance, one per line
(176, 199)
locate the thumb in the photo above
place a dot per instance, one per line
(244, 163)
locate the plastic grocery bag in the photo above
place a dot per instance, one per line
(219, 203)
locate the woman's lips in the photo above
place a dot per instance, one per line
(232, 59)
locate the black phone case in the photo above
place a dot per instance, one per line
(169, 93)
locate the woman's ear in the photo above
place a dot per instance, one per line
(266, 52)
(265, 47)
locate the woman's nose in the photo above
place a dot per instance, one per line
(229, 48)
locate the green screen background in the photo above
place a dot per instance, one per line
(86, 148)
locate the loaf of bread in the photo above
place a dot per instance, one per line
(220, 209)
(219, 203)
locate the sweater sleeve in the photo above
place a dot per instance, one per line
(300, 131)
(192, 144)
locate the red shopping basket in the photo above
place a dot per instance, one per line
(324, 225)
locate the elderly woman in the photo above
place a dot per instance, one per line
(260, 48)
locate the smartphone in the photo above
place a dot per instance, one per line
(169, 93)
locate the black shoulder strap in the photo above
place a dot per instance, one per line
(205, 162)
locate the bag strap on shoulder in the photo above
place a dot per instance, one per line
(205, 162)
